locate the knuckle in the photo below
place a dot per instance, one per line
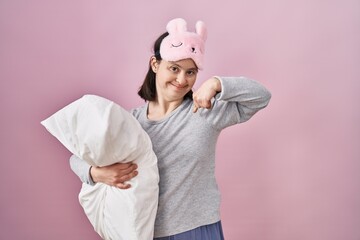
(123, 178)
(116, 180)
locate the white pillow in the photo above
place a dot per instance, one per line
(101, 133)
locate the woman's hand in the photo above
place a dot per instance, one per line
(114, 175)
(202, 97)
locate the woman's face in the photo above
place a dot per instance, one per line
(174, 79)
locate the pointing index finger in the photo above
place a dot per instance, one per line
(195, 108)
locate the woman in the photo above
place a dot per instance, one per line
(184, 128)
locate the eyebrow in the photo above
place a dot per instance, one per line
(193, 69)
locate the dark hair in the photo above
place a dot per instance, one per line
(147, 91)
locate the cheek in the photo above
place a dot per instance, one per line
(160, 76)
(192, 81)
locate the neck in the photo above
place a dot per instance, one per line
(160, 108)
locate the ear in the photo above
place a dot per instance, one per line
(176, 25)
(201, 30)
(154, 64)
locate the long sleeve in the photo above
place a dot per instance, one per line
(239, 99)
(81, 169)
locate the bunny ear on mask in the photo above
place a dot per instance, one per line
(181, 44)
(176, 25)
(201, 30)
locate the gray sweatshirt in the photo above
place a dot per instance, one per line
(184, 143)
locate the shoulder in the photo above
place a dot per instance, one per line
(136, 112)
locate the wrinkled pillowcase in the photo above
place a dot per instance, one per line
(102, 133)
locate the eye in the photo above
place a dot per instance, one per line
(174, 69)
(177, 45)
(191, 72)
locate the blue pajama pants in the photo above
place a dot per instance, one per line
(207, 232)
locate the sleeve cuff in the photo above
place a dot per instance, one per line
(90, 181)
(219, 96)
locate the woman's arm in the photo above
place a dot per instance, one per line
(203, 96)
(237, 99)
(113, 175)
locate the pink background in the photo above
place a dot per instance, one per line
(292, 172)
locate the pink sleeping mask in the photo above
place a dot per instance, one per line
(181, 44)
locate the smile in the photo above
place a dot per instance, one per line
(178, 86)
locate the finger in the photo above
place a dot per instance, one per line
(196, 106)
(123, 185)
(208, 105)
(128, 176)
(123, 165)
(128, 170)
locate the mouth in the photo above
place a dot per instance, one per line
(177, 86)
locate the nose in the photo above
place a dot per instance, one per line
(181, 78)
